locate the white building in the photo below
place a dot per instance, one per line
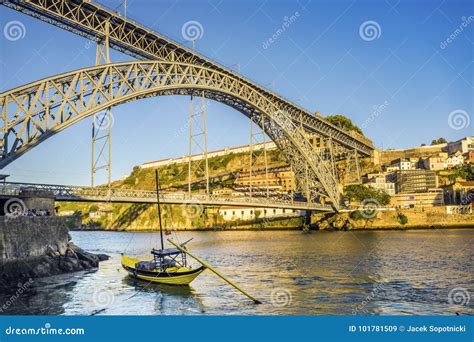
(195, 157)
(463, 145)
(454, 160)
(232, 213)
(380, 181)
(402, 164)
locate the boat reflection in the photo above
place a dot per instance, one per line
(170, 299)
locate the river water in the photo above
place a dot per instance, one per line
(292, 273)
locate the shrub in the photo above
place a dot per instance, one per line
(402, 219)
(359, 193)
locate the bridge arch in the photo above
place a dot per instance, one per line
(34, 112)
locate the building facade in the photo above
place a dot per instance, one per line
(278, 180)
(430, 198)
(381, 181)
(219, 153)
(231, 213)
(413, 181)
(463, 145)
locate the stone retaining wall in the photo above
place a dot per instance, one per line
(25, 237)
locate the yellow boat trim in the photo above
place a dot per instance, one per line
(175, 278)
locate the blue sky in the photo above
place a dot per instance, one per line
(401, 84)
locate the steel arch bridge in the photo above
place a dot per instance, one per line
(41, 109)
(32, 113)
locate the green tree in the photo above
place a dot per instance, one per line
(359, 193)
(438, 141)
(343, 122)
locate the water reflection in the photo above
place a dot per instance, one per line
(333, 273)
(170, 300)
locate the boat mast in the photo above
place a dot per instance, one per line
(159, 206)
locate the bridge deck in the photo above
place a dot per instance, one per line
(102, 194)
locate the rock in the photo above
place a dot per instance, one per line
(81, 254)
(103, 257)
(51, 251)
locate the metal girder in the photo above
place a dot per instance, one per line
(34, 112)
(89, 20)
(104, 194)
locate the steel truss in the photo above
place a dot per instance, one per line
(104, 194)
(34, 112)
(198, 169)
(90, 19)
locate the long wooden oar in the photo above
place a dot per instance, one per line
(205, 264)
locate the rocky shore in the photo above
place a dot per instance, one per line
(36, 247)
(73, 260)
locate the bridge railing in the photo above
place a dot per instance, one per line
(77, 193)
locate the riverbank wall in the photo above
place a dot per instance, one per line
(34, 247)
(415, 218)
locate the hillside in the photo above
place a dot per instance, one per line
(223, 171)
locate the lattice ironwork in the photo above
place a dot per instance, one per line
(104, 194)
(34, 112)
(198, 168)
(89, 20)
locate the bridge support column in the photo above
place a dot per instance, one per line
(101, 156)
(198, 146)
